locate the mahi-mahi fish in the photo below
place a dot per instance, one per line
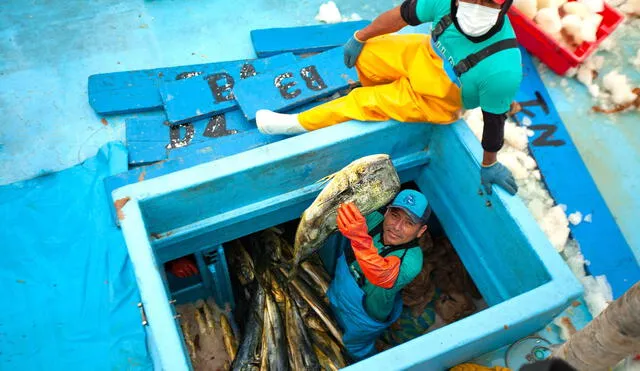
(230, 343)
(369, 182)
(248, 355)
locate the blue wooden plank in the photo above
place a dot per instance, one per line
(137, 91)
(193, 99)
(202, 97)
(141, 153)
(144, 136)
(147, 128)
(306, 39)
(284, 88)
(149, 139)
(570, 183)
(200, 153)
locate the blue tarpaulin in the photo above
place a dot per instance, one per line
(67, 288)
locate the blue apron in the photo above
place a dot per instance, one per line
(448, 68)
(347, 302)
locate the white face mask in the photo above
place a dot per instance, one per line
(476, 20)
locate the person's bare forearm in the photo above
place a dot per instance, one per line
(489, 158)
(387, 22)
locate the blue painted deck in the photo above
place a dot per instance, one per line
(48, 124)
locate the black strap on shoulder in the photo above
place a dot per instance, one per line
(470, 61)
(404, 246)
(442, 25)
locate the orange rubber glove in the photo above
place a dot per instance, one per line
(183, 267)
(380, 271)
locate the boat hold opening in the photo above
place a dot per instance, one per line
(519, 275)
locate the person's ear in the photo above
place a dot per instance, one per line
(422, 230)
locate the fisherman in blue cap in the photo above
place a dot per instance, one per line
(371, 260)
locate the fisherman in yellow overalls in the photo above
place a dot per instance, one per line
(470, 60)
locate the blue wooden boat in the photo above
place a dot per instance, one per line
(230, 181)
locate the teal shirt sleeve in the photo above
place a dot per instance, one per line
(499, 89)
(411, 267)
(431, 10)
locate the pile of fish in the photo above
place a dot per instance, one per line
(288, 323)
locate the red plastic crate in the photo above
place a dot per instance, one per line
(543, 46)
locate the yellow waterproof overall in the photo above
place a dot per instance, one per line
(402, 78)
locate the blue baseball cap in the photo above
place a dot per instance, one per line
(414, 203)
